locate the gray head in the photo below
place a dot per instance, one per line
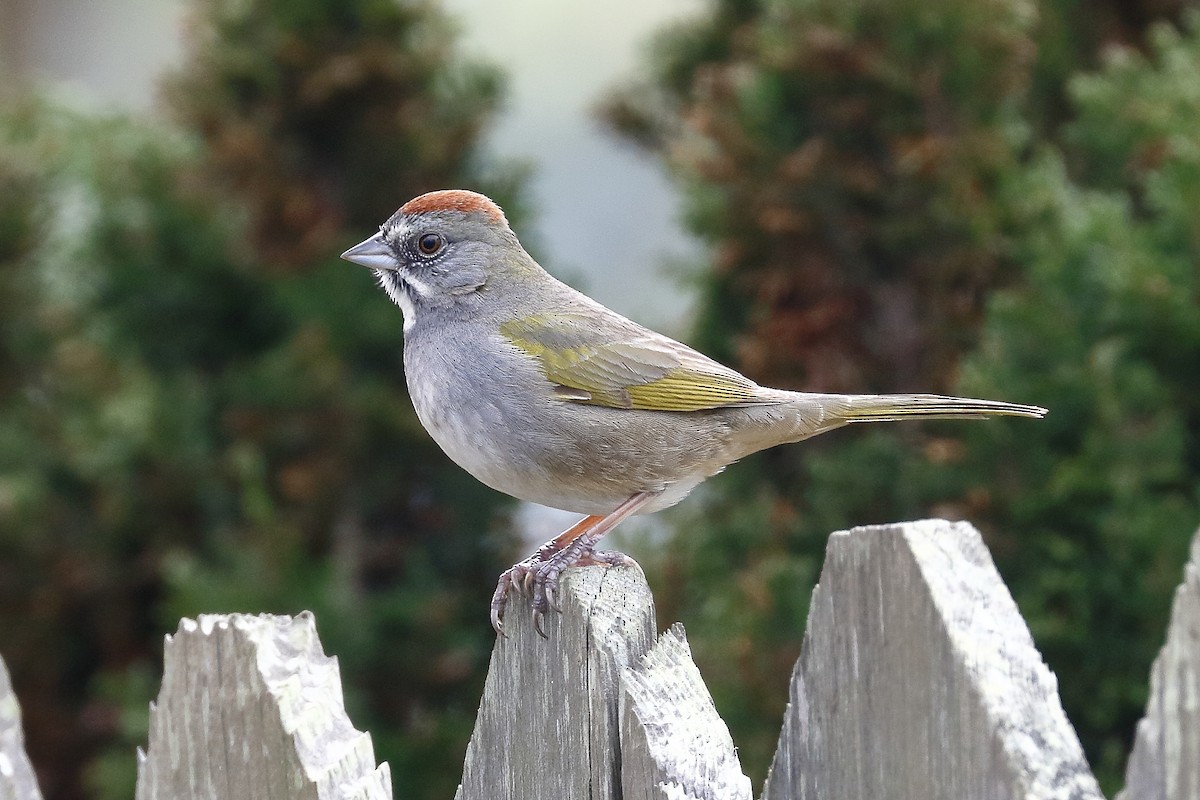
(440, 250)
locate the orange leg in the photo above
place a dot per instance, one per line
(539, 573)
(566, 537)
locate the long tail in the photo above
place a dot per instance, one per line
(891, 407)
(800, 415)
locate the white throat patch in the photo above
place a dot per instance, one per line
(395, 290)
(397, 287)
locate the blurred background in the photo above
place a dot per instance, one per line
(203, 410)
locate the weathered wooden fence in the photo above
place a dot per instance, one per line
(917, 679)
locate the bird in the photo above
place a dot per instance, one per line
(544, 394)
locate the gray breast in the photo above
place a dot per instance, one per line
(493, 412)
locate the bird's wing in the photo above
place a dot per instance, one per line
(627, 367)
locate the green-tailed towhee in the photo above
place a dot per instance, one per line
(544, 394)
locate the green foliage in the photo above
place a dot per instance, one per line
(879, 177)
(318, 111)
(839, 158)
(202, 409)
(1105, 496)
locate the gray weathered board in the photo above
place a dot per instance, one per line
(251, 707)
(918, 678)
(17, 781)
(598, 709)
(1165, 763)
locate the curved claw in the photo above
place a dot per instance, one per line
(542, 580)
(539, 621)
(499, 601)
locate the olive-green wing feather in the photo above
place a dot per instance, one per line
(628, 368)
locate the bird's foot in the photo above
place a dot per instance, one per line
(537, 576)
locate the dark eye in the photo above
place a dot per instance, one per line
(430, 243)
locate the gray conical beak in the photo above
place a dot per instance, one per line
(372, 253)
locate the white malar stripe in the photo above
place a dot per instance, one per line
(416, 285)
